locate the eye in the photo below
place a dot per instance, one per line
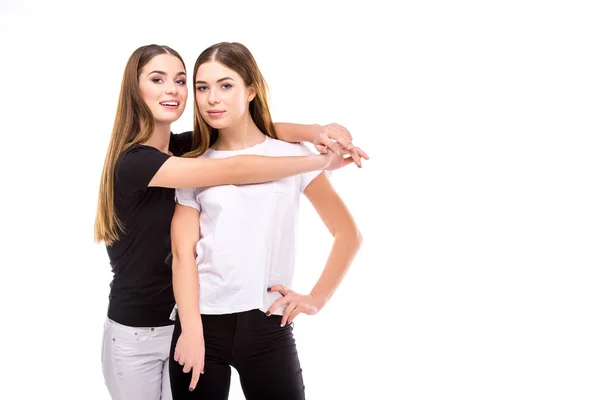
(180, 81)
(226, 86)
(157, 80)
(202, 88)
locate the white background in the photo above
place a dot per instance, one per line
(479, 273)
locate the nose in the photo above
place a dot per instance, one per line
(171, 88)
(213, 97)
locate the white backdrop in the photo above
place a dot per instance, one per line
(479, 273)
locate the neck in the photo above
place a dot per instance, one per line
(160, 137)
(239, 136)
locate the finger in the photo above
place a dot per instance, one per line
(347, 161)
(286, 313)
(321, 149)
(348, 139)
(336, 148)
(181, 360)
(278, 288)
(356, 158)
(187, 367)
(279, 303)
(294, 314)
(342, 133)
(342, 136)
(337, 134)
(346, 132)
(177, 354)
(361, 153)
(345, 143)
(195, 377)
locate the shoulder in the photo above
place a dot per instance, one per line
(139, 156)
(139, 151)
(134, 151)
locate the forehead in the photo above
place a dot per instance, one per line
(213, 70)
(164, 62)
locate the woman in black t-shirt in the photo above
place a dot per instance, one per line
(136, 204)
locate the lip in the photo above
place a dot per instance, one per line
(215, 113)
(170, 107)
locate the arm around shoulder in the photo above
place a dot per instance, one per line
(180, 172)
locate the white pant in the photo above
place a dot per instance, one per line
(135, 361)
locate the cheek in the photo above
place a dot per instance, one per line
(149, 101)
(184, 94)
(199, 101)
(144, 93)
(150, 95)
(240, 102)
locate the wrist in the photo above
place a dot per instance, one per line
(197, 333)
(320, 299)
(318, 161)
(313, 131)
(192, 327)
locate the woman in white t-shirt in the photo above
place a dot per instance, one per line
(233, 245)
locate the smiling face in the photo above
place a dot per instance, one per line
(222, 97)
(162, 83)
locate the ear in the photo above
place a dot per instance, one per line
(251, 93)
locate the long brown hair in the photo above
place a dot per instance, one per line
(134, 124)
(238, 58)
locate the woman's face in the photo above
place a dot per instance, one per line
(163, 87)
(222, 97)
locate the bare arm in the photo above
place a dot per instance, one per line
(185, 233)
(179, 172)
(296, 133)
(347, 241)
(347, 238)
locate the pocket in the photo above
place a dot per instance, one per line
(128, 334)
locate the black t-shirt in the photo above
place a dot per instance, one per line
(141, 292)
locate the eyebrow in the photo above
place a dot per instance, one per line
(164, 73)
(220, 80)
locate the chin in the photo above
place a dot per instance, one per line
(167, 119)
(217, 124)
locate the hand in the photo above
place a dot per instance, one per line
(333, 161)
(295, 304)
(189, 352)
(335, 137)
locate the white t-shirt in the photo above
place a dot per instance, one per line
(247, 234)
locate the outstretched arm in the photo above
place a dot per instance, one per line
(179, 172)
(347, 241)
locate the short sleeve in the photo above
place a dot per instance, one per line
(307, 178)
(187, 197)
(137, 166)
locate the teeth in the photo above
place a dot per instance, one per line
(169, 103)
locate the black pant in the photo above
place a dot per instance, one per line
(263, 353)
